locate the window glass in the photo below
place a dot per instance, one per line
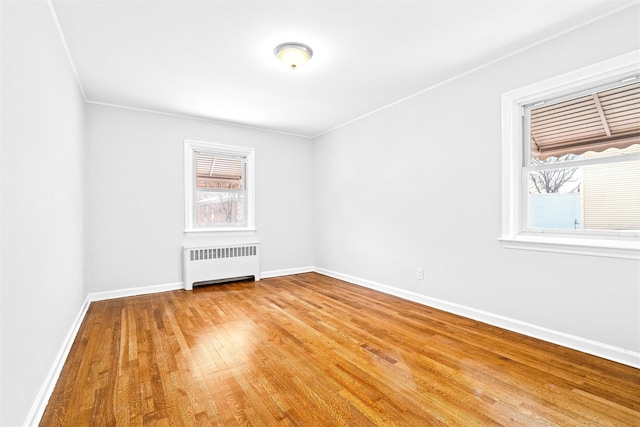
(593, 197)
(581, 173)
(220, 189)
(603, 118)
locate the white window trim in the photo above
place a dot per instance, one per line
(190, 146)
(513, 236)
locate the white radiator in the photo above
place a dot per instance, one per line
(208, 264)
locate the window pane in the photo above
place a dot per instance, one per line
(555, 200)
(594, 122)
(219, 171)
(220, 208)
(595, 197)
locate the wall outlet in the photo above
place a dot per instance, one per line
(420, 274)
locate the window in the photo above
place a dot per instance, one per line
(219, 188)
(571, 162)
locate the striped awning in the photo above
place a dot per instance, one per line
(592, 122)
(219, 171)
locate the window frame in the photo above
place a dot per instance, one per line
(514, 234)
(190, 148)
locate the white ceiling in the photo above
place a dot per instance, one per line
(214, 59)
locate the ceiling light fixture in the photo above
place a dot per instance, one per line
(293, 55)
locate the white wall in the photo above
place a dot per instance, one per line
(136, 196)
(418, 185)
(42, 132)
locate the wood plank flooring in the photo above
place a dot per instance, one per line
(308, 350)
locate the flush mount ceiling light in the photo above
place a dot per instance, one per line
(293, 55)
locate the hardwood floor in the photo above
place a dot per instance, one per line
(309, 350)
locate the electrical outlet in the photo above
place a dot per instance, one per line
(420, 274)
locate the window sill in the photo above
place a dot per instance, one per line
(220, 232)
(626, 249)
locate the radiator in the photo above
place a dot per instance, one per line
(211, 264)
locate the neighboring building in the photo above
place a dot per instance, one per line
(611, 204)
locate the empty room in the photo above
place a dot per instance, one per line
(320, 213)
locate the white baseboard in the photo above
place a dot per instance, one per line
(286, 272)
(130, 292)
(584, 345)
(42, 398)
